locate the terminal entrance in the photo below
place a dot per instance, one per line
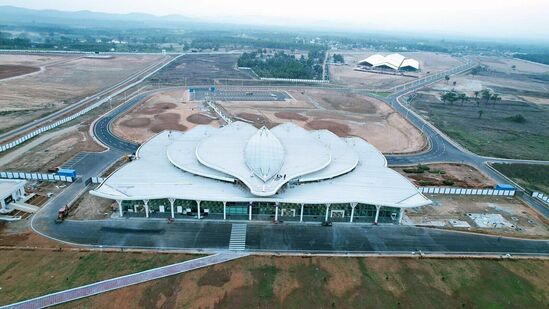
(260, 211)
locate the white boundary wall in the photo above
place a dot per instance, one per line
(541, 196)
(466, 191)
(35, 176)
(97, 179)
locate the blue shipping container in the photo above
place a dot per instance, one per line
(504, 186)
(66, 172)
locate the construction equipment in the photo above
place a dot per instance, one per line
(62, 214)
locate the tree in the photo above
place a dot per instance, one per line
(486, 95)
(454, 83)
(495, 97)
(480, 112)
(463, 97)
(447, 78)
(450, 97)
(477, 93)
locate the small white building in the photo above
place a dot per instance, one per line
(11, 190)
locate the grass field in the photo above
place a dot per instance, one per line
(27, 274)
(531, 176)
(495, 133)
(324, 282)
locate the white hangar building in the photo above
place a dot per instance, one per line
(395, 62)
(239, 172)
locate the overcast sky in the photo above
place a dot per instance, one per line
(527, 19)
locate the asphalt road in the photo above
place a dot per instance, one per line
(210, 235)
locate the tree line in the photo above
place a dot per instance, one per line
(282, 65)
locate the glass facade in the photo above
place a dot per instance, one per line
(262, 211)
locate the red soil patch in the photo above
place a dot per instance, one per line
(339, 129)
(9, 70)
(165, 106)
(157, 108)
(167, 121)
(291, 116)
(136, 122)
(199, 119)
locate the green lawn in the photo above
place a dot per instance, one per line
(27, 274)
(530, 176)
(338, 282)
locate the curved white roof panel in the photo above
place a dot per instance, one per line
(394, 61)
(410, 63)
(264, 154)
(346, 171)
(182, 152)
(343, 158)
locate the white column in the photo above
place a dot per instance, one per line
(120, 208)
(327, 211)
(353, 205)
(172, 205)
(146, 202)
(377, 213)
(276, 211)
(224, 210)
(250, 211)
(198, 207)
(400, 216)
(301, 213)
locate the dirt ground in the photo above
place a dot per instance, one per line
(339, 282)
(62, 81)
(345, 74)
(448, 207)
(527, 81)
(91, 207)
(169, 110)
(345, 114)
(7, 71)
(54, 152)
(461, 175)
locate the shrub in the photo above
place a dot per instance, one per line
(425, 183)
(447, 182)
(516, 118)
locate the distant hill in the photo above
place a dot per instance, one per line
(10, 15)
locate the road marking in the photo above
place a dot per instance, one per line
(238, 237)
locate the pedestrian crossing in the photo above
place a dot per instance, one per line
(238, 237)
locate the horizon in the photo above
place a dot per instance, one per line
(489, 21)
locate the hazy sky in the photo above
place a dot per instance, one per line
(476, 18)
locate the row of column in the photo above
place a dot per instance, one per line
(277, 205)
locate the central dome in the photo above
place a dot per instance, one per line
(264, 154)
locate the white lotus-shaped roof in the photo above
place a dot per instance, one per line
(264, 154)
(240, 163)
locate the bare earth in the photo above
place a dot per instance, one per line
(169, 110)
(462, 175)
(345, 74)
(7, 71)
(503, 79)
(54, 151)
(448, 207)
(64, 80)
(344, 114)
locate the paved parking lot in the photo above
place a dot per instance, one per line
(234, 95)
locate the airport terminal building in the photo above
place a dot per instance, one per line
(239, 172)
